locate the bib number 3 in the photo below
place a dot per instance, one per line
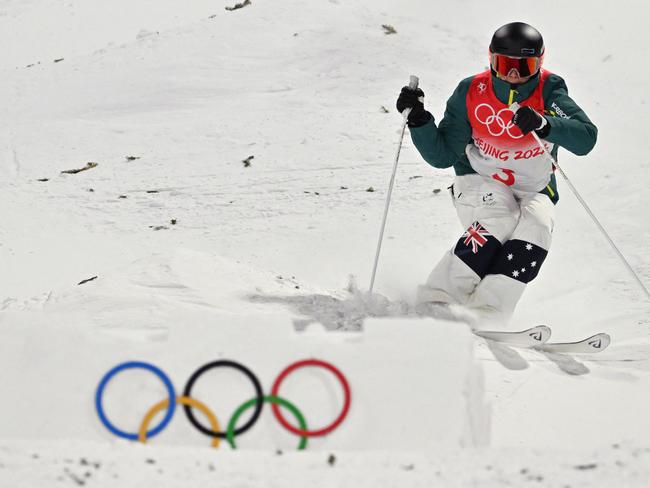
(506, 176)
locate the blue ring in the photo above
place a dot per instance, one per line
(135, 364)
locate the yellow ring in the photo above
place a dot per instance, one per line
(182, 400)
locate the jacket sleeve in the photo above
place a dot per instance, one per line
(570, 126)
(442, 145)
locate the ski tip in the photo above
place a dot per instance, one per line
(540, 333)
(535, 336)
(599, 342)
(593, 344)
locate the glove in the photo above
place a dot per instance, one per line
(528, 120)
(409, 98)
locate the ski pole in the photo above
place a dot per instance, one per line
(514, 107)
(413, 85)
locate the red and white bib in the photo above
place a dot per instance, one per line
(499, 150)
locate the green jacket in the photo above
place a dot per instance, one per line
(443, 146)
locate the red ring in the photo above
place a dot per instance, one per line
(324, 430)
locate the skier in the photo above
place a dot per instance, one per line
(504, 190)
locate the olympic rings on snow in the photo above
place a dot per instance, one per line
(183, 400)
(232, 364)
(188, 403)
(324, 430)
(270, 399)
(130, 365)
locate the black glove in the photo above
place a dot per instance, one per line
(408, 98)
(527, 119)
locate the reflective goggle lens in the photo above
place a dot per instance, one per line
(522, 67)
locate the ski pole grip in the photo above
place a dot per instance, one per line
(514, 107)
(413, 82)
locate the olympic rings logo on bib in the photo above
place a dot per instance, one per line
(495, 122)
(169, 404)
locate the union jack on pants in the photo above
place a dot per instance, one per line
(475, 235)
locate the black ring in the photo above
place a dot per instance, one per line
(243, 369)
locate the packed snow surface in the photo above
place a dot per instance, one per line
(241, 163)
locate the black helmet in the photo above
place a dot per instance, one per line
(518, 40)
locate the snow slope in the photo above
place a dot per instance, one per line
(192, 90)
(94, 464)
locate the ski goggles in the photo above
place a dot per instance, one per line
(509, 66)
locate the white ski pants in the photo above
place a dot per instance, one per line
(507, 237)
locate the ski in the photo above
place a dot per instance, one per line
(595, 343)
(533, 337)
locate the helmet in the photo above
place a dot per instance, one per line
(516, 47)
(518, 40)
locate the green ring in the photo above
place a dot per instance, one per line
(230, 431)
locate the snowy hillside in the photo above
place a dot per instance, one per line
(241, 162)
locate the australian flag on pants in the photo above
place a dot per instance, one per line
(477, 248)
(476, 236)
(519, 260)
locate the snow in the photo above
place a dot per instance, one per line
(192, 90)
(130, 465)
